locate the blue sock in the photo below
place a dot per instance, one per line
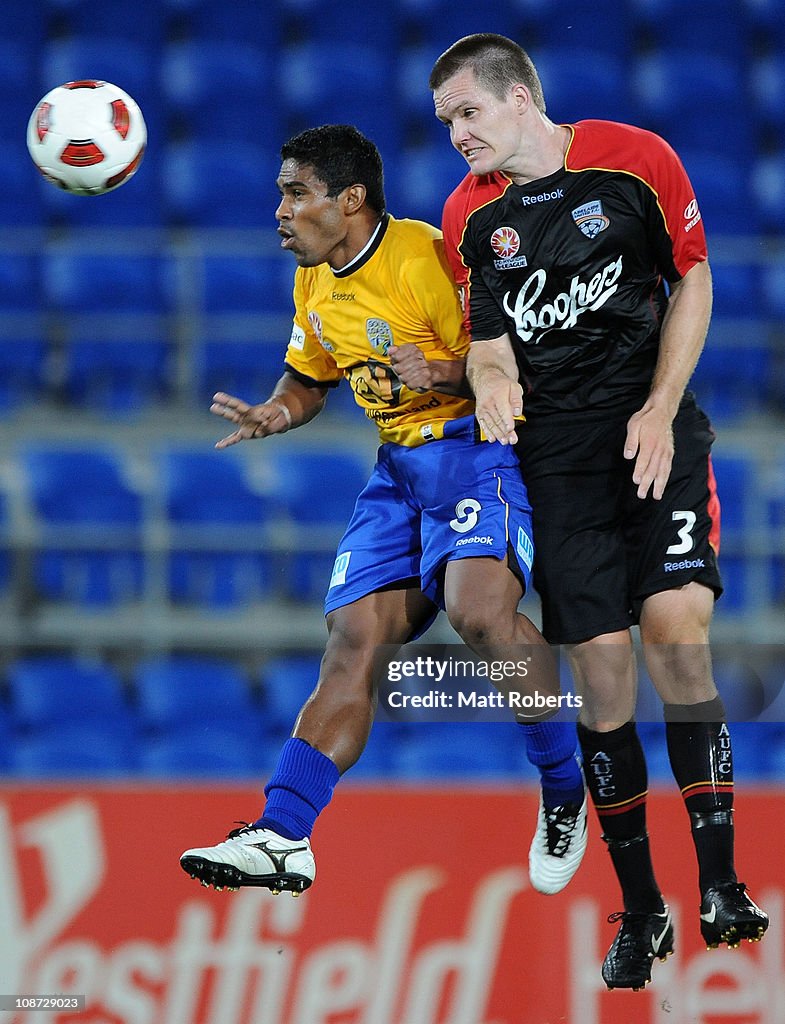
(299, 789)
(553, 748)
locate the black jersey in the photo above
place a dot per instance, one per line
(572, 266)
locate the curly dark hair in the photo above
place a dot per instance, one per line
(341, 156)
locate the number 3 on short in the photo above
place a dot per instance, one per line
(465, 515)
(685, 533)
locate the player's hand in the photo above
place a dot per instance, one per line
(411, 366)
(499, 401)
(650, 442)
(252, 420)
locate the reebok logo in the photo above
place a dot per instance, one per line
(474, 540)
(688, 563)
(543, 197)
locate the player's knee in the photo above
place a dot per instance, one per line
(475, 624)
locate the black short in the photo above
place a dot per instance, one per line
(599, 549)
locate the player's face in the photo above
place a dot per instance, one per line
(311, 223)
(484, 129)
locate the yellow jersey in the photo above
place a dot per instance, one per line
(396, 291)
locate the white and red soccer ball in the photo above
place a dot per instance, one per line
(87, 137)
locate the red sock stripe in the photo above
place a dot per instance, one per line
(626, 805)
(699, 788)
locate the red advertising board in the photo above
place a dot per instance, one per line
(421, 913)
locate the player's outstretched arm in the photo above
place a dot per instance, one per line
(290, 405)
(420, 374)
(493, 375)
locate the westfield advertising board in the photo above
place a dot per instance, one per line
(421, 913)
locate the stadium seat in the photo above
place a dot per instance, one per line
(206, 753)
(221, 89)
(118, 376)
(323, 510)
(22, 372)
(228, 186)
(212, 563)
(767, 82)
(459, 750)
(193, 692)
(251, 283)
(76, 752)
(286, 683)
(720, 25)
(89, 520)
(730, 380)
(674, 91)
(48, 692)
(723, 188)
(205, 20)
(423, 176)
(140, 24)
(768, 185)
(577, 84)
(248, 369)
(20, 91)
(112, 58)
(348, 82)
(20, 283)
(736, 487)
(438, 22)
(77, 279)
(773, 287)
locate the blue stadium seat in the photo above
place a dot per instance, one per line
(49, 692)
(720, 25)
(132, 65)
(348, 82)
(90, 522)
(324, 509)
(221, 89)
(439, 22)
(206, 494)
(775, 520)
(768, 185)
(140, 24)
(286, 683)
(578, 83)
(24, 23)
(422, 177)
(207, 753)
(206, 20)
(459, 749)
(20, 91)
(676, 92)
(773, 287)
(730, 380)
(228, 185)
(80, 280)
(22, 372)
(76, 752)
(118, 376)
(603, 27)
(767, 81)
(248, 369)
(723, 188)
(194, 692)
(251, 283)
(20, 283)
(736, 487)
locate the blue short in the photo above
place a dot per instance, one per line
(454, 498)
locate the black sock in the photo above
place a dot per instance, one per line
(616, 776)
(699, 748)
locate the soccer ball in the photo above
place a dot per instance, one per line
(87, 137)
